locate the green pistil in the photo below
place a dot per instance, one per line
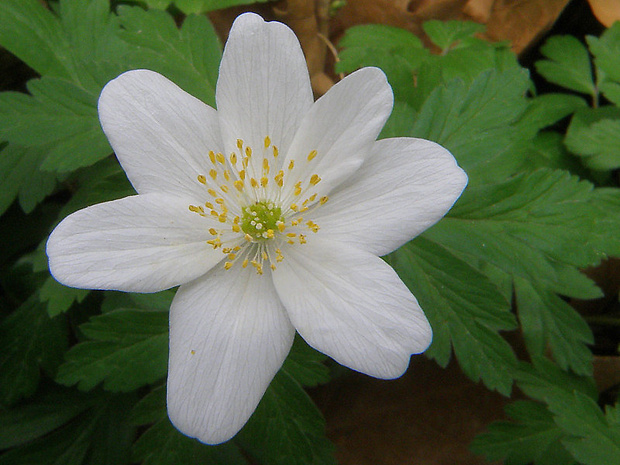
(261, 220)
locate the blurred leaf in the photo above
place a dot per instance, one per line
(20, 176)
(568, 64)
(287, 428)
(465, 310)
(189, 56)
(593, 135)
(531, 438)
(60, 298)
(202, 6)
(591, 437)
(470, 120)
(548, 322)
(99, 436)
(448, 34)
(396, 51)
(126, 349)
(534, 226)
(29, 341)
(606, 51)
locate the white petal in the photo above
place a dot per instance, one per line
(341, 126)
(352, 306)
(403, 188)
(229, 335)
(143, 243)
(160, 134)
(263, 87)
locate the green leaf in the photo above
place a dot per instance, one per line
(162, 444)
(287, 428)
(545, 110)
(476, 119)
(203, 6)
(305, 365)
(464, 308)
(531, 438)
(60, 298)
(547, 321)
(606, 50)
(396, 51)
(20, 176)
(448, 34)
(592, 438)
(60, 115)
(534, 226)
(98, 436)
(127, 349)
(593, 135)
(50, 409)
(189, 56)
(29, 341)
(568, 64)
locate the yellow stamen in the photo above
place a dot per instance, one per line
(202, 179)
(311, 155)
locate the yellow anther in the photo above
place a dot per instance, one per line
(236, 228)
(323, 200)
(270, 233)
(196, 209)
(202, 179)
(213, 174)
(276, 152)
(233, 158)
(291, 165)
(215, 242)
(226, 250)
(236, 220)
(291, 235)
(281, 226)
(222, 218)
(267, 141)
(242, 175)
(212, 192)
(220, 158)
(293, 207)
(232, 256)
(239, 144)
(264, 181)
(214, 213)
(312, 197)
(266, 166)
(311, 155)
(279, 256)
(247, 237)
(228, 265)
(213, 231)
(245, 263)
(248, 152)
(315, 179)
(272, 266)
(245, 162)
(220, 201)
(238, 185)
(302, 239)
(224, 188)
(264, 255)
(227, 175)
(209, 205)
(253, 182)
(212, 156)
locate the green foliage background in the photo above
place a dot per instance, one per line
(540, 207)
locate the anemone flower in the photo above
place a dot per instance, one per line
(270, 212)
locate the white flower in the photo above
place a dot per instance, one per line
(270, 212)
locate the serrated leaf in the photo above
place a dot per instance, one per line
(592, 438)
(545, 110)
(59, 115)
(60, 298)
(29, 341)
(305, 365)
(127, 349)
(593, 135)
(606, 50)
(533, 226)
(568, 64)
(531, 438)
(287, 428)
(476, 119)
(189, 56)
(464, 308)
(549, 322)
(447, 34)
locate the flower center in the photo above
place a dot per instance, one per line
(258, 211)
(261, 220)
